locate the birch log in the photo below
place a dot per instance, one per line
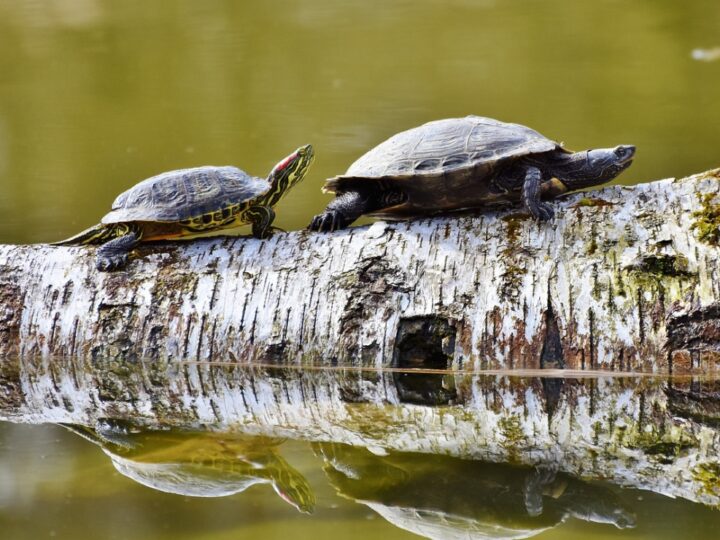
(623, 279)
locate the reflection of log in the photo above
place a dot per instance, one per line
(635, 432)
(626, 280)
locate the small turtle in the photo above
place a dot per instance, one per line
(190, 202)
(200, 464)
(460, 164)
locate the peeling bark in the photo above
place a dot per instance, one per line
(648, 433)
(627, 280)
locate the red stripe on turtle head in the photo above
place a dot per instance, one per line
(285, 162)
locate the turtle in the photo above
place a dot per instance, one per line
(438, 496)
(199, 464)
(188, 202)
(462, 164)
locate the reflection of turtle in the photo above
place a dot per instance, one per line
(463, 163)
(189, 202)
(443, 497)
(201, 464)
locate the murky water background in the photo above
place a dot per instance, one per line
(96, 95)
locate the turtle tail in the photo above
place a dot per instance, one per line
(97, 234)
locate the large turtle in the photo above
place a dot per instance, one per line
(437, 496)
(464, 163)
(190, 202)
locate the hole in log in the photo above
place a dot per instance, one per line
(424, 343)
(552, 389)
(552, 352)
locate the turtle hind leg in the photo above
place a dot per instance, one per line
(261, 218)
(113, 255)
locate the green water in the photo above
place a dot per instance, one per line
(59, 485)
(330, 454)
(96, 95)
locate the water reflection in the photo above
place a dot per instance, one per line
(198, 464)
(442, 497)
(654, 434)
(443, 455)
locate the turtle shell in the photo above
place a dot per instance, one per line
(442, 165)
(186, 193)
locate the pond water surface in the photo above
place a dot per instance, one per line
(207, 450)
(96, 95)
(57, 485)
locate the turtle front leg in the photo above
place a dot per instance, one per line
(349, 206)
(531, 195)
(113, 255)
(533, 491)
(261, 218)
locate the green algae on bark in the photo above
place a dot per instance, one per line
(707, 219)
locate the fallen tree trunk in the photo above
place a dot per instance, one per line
(627, 279)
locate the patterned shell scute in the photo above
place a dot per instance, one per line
(445, 145)
(185, 193)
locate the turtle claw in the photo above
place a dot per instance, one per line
(114, 255)
(328, 221)
(542, 211)
(108, 263)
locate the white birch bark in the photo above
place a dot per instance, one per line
(621, 281)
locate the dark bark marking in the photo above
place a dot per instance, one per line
(552, 355)
(67, 292)
(301, 337)
(186, 339)
(211, 343)
(701, 405)
(51, 343)
(242, 315)
(695, 329)
(252, 328)
(591, 319)
(11, 307)
(216, 286)
(201, 334)
(641, 316)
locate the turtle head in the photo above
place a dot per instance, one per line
(595, 167)
(289, 172)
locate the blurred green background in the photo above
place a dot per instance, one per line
(96, 95)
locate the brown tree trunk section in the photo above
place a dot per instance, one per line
(624, 279)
